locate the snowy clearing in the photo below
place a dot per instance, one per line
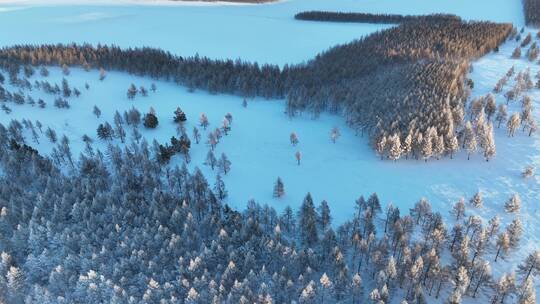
(259, 147)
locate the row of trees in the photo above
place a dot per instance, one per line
(372, 18)
(402, 84)
(120, 227)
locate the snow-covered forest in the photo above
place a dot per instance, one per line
(389, 169)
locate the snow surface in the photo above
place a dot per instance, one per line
(266, 33)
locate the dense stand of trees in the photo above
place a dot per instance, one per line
(121, 227)
(531, 10)
(407, 80)
(371, 18)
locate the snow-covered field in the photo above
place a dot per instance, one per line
(258, 144)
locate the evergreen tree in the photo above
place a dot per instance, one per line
(307, 221)
(219, 188)
(279, 188)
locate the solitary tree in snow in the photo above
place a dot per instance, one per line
(477, 201)
(298, 157)
(513, 204)
(196, 135)
(294, 139)
(203, 120)
(279, 188)
(528, 172)
(179, 116)
(334, 134)
(132, 91)
(97, 111)
(225, 126)
(102, 74)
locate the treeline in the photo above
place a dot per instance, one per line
(405, 80)
(119, 227)
(372, 18)
(531, 9)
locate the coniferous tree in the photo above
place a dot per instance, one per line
(96, 111)
(224, 164)
(150, 119)
(307, 221)
(279, 188)
(179, 116)
(219, 188)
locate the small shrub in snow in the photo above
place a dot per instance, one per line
(528, 172)
(61, 103)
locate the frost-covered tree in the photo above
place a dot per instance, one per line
(196, 135)
(335, 134)
(298, 157)
(224, 164)
(477, 200)
(381, 146)
(502, 115)
(51, 135)
(513, 204)
(219, 188)
(102, 74)
(293, 138)
(458, 210)
(179, 115)
(512, 124)
(503, 245)
(203, 120)
(527, 292)
(530, 267)
(395, 148)
(132, 91)
(326, 285)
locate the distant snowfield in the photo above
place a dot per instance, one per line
(266, 33)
